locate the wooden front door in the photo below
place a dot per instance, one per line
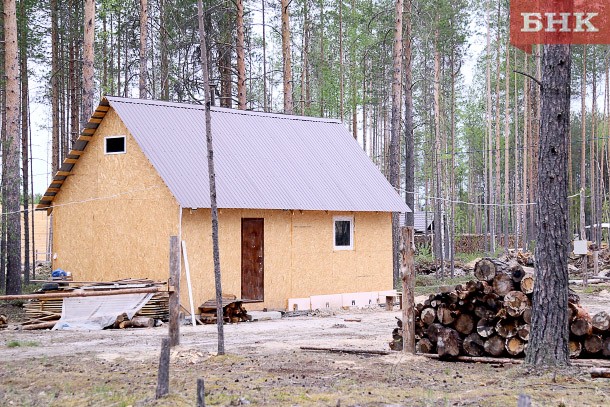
(252, 259)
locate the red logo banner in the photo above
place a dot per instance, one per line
(559, 22)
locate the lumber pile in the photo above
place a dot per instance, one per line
(43, 314)
(491, 316)
(233, 310)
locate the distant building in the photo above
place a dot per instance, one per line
(302, 210)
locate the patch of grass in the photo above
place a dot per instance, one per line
(16, 344)
(468, 257)
(424, 254)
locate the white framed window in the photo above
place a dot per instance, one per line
(343, 232)
(115, 145)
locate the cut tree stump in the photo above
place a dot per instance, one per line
(581, 326)
(449, 343)
(515, 303)
(428, 315)
(515, 346)
(527, 283)
(575, 348)
(485, 328)
(473, 345)
(494, 345)
(424, 345)
(485, 270)
(523, 332)
(593, 344)
(503, 284)
(464, 324)
(601, 321)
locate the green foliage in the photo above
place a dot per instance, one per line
(15, 344)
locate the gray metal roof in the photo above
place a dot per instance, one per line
(262, 160)
(419, 221)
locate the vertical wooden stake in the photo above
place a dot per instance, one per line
(163, 376)
(200, 393)
(174, 295)
(187, 272)
(407, 268)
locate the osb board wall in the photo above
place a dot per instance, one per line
(299, 256)
(113, 215)
(41, 233)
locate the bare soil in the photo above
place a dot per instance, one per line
(264, 365)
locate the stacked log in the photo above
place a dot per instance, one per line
(3, 321)
(232, 309)
(123, 322)
(491, 316)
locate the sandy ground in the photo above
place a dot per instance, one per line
(265, 365)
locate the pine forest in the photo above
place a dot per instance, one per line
(432, 91)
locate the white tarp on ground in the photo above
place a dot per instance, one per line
(95, 313)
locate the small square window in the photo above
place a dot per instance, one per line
(114, 145)
(343, 233)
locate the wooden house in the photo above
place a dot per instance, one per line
(302, 210)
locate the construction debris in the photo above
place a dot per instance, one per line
(232, 310)
(44, 313)
(491, 316)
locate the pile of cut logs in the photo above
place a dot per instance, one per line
(492, 315)
(3, 321)
(233, 310)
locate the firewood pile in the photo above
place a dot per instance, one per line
(44, 313)
(491, 316)
(233, 310)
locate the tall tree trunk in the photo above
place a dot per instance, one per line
(341, 91)
(490, 187)
(497, 181)
(304, 57)
(143, 80)
(409, 138)
(54, 88)
(548, 344)
(241, 59)
(88, 45)
(287, 65)
(395, 135)
(583, 143)
(517, 211)
(265, 99)
(23, 65)
(451, 240)
(212, 178)
(163, 45)
(524, 159)
(506, 199)
(12, 179)
(438, 205)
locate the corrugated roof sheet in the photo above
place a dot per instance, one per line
(262, 160)
(419, 221)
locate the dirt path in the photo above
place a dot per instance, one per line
(265, 366)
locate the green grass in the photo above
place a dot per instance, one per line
(15, 344)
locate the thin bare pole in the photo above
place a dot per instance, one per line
(212, 179)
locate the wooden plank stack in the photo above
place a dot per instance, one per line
(232, 307)
(43, 313)
(491, 316)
